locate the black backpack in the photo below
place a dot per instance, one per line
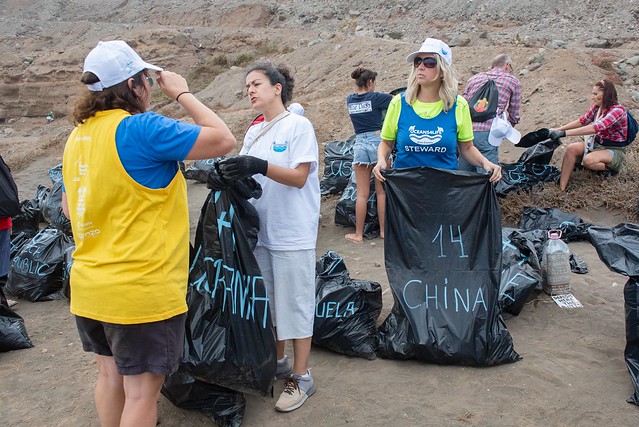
(632, 128)
(9, 203)
(483, 104)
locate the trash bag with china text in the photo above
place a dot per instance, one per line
(442, 252)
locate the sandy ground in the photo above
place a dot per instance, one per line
(572, 372)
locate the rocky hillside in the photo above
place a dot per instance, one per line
(559, 49)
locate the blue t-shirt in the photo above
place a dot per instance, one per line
(366, 110)
(150, 146)
(426, 142)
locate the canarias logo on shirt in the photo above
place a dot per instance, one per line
(280, 147)
(425, 137)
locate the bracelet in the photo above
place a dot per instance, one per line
(182, 93)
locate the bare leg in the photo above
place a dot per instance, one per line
(109, 392)
(381, 205)
(280, 347)
(141, 405)
(362, 181)
(302, 350)
(573, 151)
(598, 160)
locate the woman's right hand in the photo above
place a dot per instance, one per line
(378, 168)
(172, 84)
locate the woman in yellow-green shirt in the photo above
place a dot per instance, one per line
(430, 124)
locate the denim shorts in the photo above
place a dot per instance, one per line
(154, 347)
(365, 149)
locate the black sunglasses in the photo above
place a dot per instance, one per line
(429, 62)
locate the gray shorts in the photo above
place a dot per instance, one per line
(289, 278)
(154, 347)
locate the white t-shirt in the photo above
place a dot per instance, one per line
(289, 216)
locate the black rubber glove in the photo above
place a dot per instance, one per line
(215, 181)
(240, 167)
(556, 134)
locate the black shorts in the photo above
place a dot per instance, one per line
(154, 347)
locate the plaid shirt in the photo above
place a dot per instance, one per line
(509, 95)
(612, 126)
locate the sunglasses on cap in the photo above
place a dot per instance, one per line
(429, 62)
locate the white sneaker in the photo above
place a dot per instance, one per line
(297, 389)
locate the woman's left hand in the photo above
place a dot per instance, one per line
(493, 168)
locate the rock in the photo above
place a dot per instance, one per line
(556, 44)
(534, 66)
(598, 43)
(523, 72)
(633, 60)
(460, 40)
(314, 42)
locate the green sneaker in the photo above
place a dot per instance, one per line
(297, 389)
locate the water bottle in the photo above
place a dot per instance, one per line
(555, 264)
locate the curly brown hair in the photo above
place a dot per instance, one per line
(118, 96)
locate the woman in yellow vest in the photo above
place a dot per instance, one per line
(127, 203)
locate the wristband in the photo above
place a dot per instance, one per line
(182, 93)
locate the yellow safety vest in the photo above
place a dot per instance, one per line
(131, 257)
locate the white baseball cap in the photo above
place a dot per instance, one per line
(433, 46)
(113, 62)
(296, 108)
(501, 129)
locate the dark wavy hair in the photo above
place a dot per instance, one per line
(362, 76)
(276, 74)
(609, 93)
(118, 96)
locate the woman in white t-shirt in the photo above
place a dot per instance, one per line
(281, 153)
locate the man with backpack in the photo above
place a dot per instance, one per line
(487, 100)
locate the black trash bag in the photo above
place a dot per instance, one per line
(338, 166)
(230, 339)
(13, 333)
(442, 252)
(572, 227)
(225, 406)
(578, 264)
(55, 173)
(240, 191)
(618, 248)
(199, 170)
(345, 209)
(52, 210)
(631, 352)
(346, 310)
(521, 271)
(534, 138)
(66, 272)
(522, 176)
(28, 220)
(9, 199)
(17, 242)
(540, 153)
(35, 273)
